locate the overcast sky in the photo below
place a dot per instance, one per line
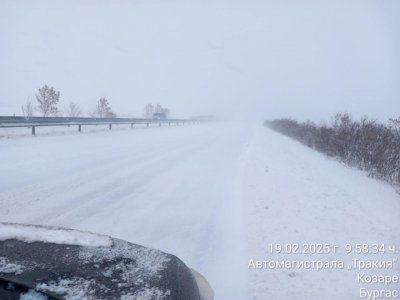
(244, 58)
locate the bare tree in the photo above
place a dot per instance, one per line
(148, 111)
(48, 99)
(74, 110)
(158, 109)
(151, 111)
(27, 109)
(165, 112)
(104, 109)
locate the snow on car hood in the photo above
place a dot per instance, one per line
(56, 235)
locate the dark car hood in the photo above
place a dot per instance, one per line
(108, 269)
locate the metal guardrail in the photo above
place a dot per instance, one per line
(33, 122)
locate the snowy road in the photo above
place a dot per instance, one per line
(215, 195)
(169, 188)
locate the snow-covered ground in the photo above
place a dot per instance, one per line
(214, 194)
(297, 195)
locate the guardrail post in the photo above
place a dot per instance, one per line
(131, 125)
(169, 123)
(147, 124)
(33, 130)
(110, 126)
(80, 128)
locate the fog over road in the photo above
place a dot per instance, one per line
(213, 194)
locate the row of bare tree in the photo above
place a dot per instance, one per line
(366, 144)
(156, 111)
(47, 105)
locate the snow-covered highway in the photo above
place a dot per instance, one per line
(213, 194)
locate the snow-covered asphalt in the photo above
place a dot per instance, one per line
(214, 194)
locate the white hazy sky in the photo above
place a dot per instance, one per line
(240, 58)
